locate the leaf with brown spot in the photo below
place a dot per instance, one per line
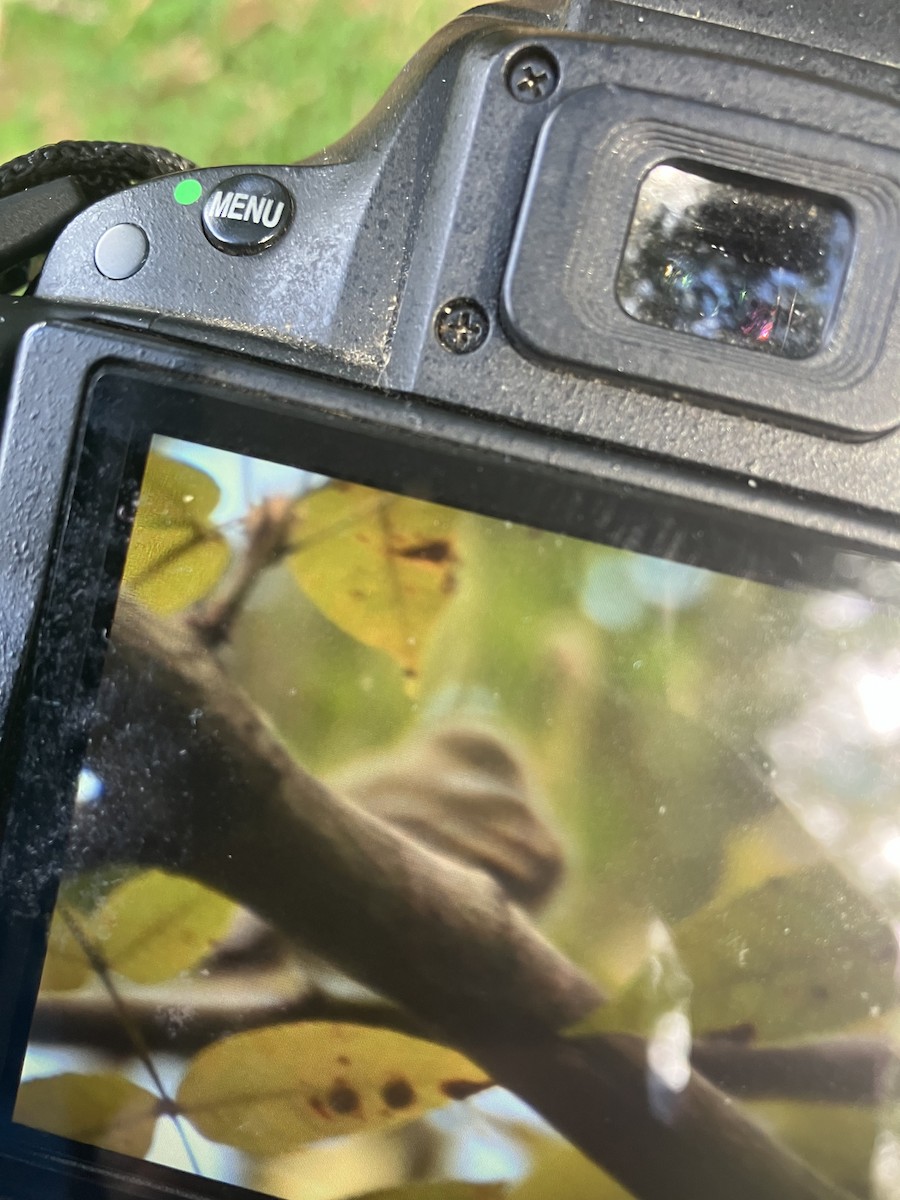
(272, 1090)
(461, 1089)
(343, 1099)
(381, 567)
(398, 1094)
(437, 552)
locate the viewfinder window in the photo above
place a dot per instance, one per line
(735, 259)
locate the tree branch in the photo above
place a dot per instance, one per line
(214, 793)
(183, 1017)
(268, 527)
(851, 1070)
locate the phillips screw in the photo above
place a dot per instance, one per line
(461, 326)
(532, 75)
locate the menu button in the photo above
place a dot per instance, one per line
(247, 213)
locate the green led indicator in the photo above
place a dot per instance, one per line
(188, 191)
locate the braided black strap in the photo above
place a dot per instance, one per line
(101, 168)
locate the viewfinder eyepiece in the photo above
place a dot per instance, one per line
(736, 259)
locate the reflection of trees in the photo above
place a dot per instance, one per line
(751, 268)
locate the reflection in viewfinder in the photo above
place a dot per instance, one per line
(735, 259)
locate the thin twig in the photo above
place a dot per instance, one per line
(129, 1026)
(268, 527)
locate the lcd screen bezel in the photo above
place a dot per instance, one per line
(125, 408)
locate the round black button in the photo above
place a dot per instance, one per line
(247, 213)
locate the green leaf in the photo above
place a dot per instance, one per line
(798, 955)
(154, 926)
(381, 567)
(176, 555)
(661, 987)
(103, 1110)
(271, 1090)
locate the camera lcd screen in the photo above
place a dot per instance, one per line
(326, 710)
(734, 259)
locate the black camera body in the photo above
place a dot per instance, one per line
(484, 297)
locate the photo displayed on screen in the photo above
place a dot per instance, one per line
(357, 759)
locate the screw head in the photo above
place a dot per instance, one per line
(532, 75)
(461, 326)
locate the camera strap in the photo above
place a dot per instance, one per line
(42, 191)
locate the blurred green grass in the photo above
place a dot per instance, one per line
(217, 80)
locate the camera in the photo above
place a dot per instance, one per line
(449, 671)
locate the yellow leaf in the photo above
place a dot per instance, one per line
(155, 925)
(176, 555)
(560, 1171)
(102, 1110)
(271, 1090)
(66, 966)
(336, 1168)
(381, 567)
(448, 1189)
